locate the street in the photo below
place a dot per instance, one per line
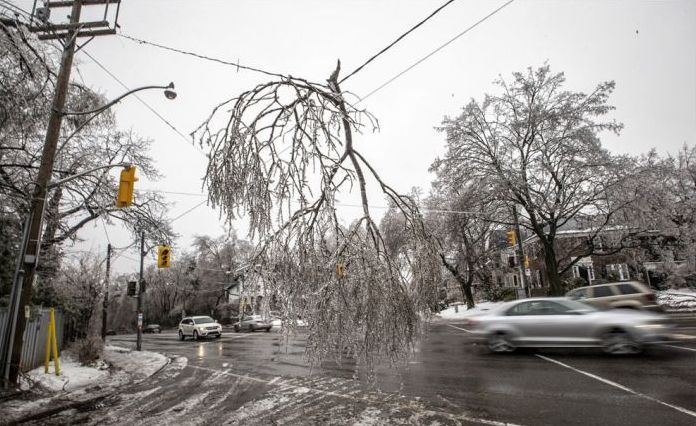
(255, 378)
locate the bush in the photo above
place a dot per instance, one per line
(572, 283)
(88, 350)
(499, 294)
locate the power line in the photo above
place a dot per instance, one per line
(471, 27)
(164, 120)
(188, 211)
(16, 9)
(396, 41)
(204, 57)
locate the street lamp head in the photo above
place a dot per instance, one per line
(169, 92)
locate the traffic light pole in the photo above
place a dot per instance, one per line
(30, 254)
(520, 253)
(105, 304)
(138, 344)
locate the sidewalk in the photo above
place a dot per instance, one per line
(46, 394)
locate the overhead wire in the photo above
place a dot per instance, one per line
(204, 57)
(401, 37)
(442, 46)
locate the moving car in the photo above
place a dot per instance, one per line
(199, 327)
(152, 328)
(253, 323)
(561, 322)
(626, 294)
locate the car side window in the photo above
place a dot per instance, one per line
(523, 308)
(603, 291)
(627, 289)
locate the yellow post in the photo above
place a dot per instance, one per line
(56, 360)
(51, 343)
(48, 345)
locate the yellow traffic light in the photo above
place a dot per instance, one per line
(511, 237)
(164, 256)
(341, 270)
(126, 187)
(526, 262)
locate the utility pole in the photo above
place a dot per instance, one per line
(29, 256)
(138, 345)
(105, 304)
(520, 253)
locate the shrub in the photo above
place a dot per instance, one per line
(499, 294)
(88, 350)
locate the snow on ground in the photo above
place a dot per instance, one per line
(460, 311)
(679, 300)
(118, 367)
(137, 364)
(72, 375)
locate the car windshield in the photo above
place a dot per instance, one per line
(203, 320)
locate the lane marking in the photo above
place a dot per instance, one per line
(682, 347)
(459, 328)
(619, 386)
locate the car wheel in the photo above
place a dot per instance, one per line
(159, 331)
(236, 329)
(195, 335)
(619, 342)
(181, 335)
(500, 343)
(268, 329)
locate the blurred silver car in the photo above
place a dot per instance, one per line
(561, 322)
(253, 323)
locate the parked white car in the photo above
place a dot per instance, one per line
(199, 327)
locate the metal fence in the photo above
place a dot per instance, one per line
(34, 348)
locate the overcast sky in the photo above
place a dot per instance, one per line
(647, 47)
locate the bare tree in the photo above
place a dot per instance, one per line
(463, 216)
(281, 156)
(538, 146)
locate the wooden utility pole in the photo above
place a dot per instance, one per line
(105, 304)
(68, 33)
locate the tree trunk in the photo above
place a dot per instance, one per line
(552, 276)
(466, 288)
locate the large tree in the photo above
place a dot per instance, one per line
(538, 146)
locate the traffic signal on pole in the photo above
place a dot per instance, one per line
(341, 270)
(526, 262)
(131, 288)
(164, 256)
(126, 186)
(511, 237)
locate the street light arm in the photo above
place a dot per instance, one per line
(69, 178)
(117, 100)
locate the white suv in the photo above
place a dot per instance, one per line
(199, 327)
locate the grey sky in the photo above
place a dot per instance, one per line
(647, 47)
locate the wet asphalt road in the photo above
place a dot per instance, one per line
(256, 378)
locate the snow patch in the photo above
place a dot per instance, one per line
(680, 300)
(72, 375)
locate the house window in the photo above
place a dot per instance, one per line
(619, 270)
(515, 280)
(511, 261)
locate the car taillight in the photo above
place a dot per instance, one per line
(650, 297)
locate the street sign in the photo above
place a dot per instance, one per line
(140, 320)
(27, 311)
(528, 272)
